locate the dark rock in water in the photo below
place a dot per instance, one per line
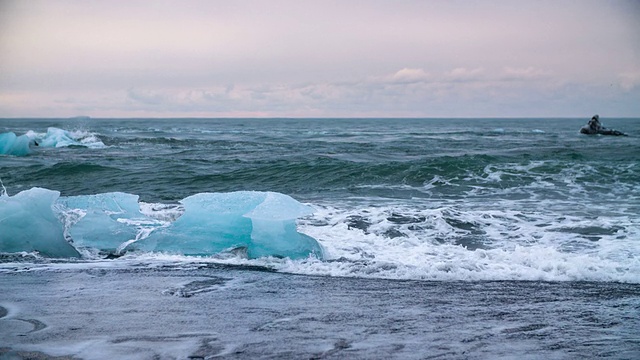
(405, 219)
(463, 225)
(358, 222)
(611, 132)
(603, 131)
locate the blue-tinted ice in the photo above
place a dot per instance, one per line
(261, 222)
(103, 224)
(11, 144)
(28, 223)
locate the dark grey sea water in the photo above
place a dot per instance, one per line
(443, 238)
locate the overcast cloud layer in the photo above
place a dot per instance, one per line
(319, 58)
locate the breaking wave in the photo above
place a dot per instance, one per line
(20, 145)
(433, 241)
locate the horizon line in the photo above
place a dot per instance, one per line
(306, 118)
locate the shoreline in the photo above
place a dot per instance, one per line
(208, 312)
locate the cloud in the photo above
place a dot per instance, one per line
(329, 57)
(146, 96)
(465, 74)
(407, 76)
(527, 73)
(629, 80)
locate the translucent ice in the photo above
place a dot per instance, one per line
(105, 219)
(57, 138)
(10, 144)
(274, 228)
(261, 222)
(28, 223)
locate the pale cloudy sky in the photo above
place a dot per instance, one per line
(297, 58)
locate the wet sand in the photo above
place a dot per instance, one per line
(248, 313)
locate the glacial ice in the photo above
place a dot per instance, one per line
(274, 228)
(263, 223)
(103, 224)
(28, 223)
(56, 138)
(10, 144)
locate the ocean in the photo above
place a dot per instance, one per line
(436, 238)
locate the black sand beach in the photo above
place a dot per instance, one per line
(213, 311)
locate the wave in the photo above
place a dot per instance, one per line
(439, 240)
(477, 176)
(12, 144)
(450, 241)
(73, 170)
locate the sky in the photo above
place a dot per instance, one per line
(297, 58)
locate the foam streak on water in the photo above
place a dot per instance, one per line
(449, 243)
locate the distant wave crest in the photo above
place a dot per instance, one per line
(20, 145)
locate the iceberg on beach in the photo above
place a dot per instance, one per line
(263, 223)
(274, 228)
(28, 223)
(103, 219)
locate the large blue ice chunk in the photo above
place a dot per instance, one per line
(211, 223)
(57, 138)
(261, 222)
(28, 223)
(10, 144)
(274, 229)
(107, 220)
